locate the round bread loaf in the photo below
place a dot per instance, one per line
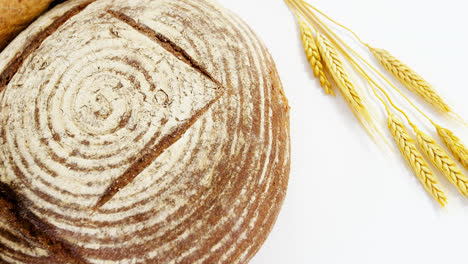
(149, 131)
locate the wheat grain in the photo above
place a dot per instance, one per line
(454, 144)
(314, 58)
(410, 79)
(327, 62)
(415, 159)
(442, 161)
(336, 68)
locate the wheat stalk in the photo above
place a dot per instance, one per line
(327, 60)
(410, 79)
(454, 144)
(442, 161)
(415, 159)
(314, 58)
(336, 68)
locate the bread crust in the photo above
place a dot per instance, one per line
(142, 132)
(16, 15)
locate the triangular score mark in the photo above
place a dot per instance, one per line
(151, 155)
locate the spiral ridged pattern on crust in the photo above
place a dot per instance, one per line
(175, 103)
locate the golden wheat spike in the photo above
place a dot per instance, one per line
(336, 68)
(442, 161)
(314, 58)
(454, 144)
(416, 161)
(410, 79)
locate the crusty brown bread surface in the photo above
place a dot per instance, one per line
(147, 131)
(16, 15)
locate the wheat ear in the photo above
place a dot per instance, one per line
(410, 79)
(442, 161)
(314, 58)
(454, 144)
(414, 158)
(342, 80)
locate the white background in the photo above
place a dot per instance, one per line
(348, 200)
